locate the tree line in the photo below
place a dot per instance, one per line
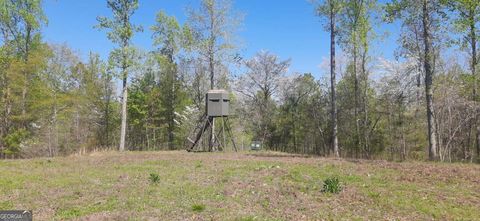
(421, 105)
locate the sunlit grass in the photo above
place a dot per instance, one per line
(228, 186)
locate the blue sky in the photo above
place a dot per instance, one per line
(287, 28)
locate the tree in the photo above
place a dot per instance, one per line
(215, 24)
(352, 21)
(98, 89)
(260, 84)
(172, 40)
(330, 9)
(355, 37)
(296, 92)
(465, 22)
(430, 16)
(13, 77)
(58, 98)
(397, 101)
(121, 31)
(20, 24)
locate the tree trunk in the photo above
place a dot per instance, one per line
(171, 137)
(357, 126)
(366, 135)
(106, 142)
(123, 131)
(211, 60)
(473, 37)
(171, 112)
(108, 97)
(26, 77)
(418, 88)
(333, 83)
(54, 148)
(212, 86)
(432, 138)
(294, 127)
(5, 127)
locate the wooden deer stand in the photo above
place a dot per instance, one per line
(217, 107)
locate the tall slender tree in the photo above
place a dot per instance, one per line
(330, 9)
(430, 20)
(215, 24)
(351, 21)
(428, 66)
(121, 31)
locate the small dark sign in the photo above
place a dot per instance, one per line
(15, 215)
(256, 145)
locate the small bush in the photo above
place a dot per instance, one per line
(198, 207)
(13, 141)
(331, 185)
(154, 178)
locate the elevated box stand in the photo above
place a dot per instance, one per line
(217, 103)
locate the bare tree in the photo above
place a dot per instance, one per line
(468, 16)
(215, 24)
(265, 73)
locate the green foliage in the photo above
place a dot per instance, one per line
(22, 58)
(121, 31)
(14, 140)
(167, 33)
(54, 103)
(293, 121)
(465, 15)
(21, 20)
(156, 101)
(158, 97)
(394, 9)
(198, 207)
(120, 28)
(154, 178)
(332, 185)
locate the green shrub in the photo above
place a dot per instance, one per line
(13, 141)
(198, 207)
(154, 178)
(331, 185)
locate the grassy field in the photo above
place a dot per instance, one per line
(236, 186)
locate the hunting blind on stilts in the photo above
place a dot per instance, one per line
(217, 104)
